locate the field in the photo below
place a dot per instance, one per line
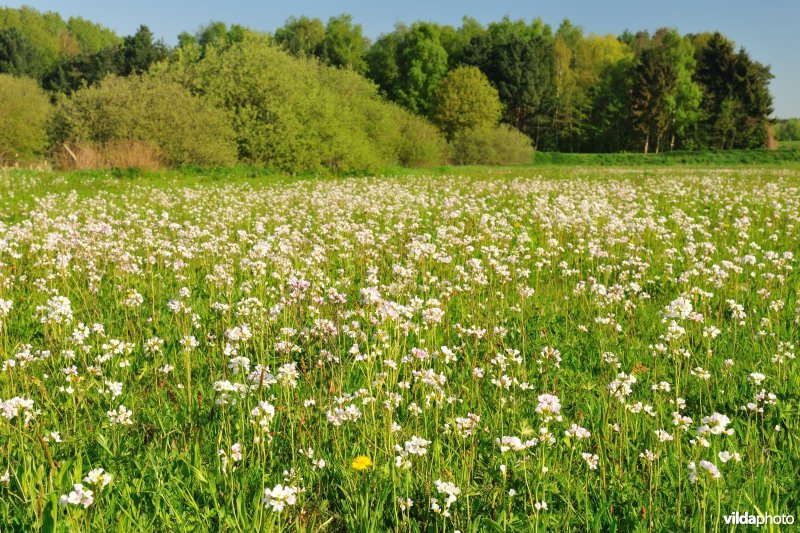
(519, 349)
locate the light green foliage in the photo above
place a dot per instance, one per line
(420, 143)
(91, 37)
(683, 102)
(275, 102)
(339, 43)
(422, 61)
(24, 109)
(344, 44)
(465, 100)
(467, 108)
(371, 133)
(52, 38)
(788, 130)
(294, 114)
(498, 145)
(301, 36)
(184, 128)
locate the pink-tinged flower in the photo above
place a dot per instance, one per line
(279, 497)
(78, 496)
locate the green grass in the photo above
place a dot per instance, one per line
(436, 306)
(787, 156)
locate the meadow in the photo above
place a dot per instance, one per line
(508, 349)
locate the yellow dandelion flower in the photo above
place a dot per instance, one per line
(362, 462)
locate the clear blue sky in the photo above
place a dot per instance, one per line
(768, 29)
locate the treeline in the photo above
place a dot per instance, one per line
(788, 129)
(320, 95)
(575, 92)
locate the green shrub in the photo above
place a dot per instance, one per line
(421, 144)
(386, 132)
(156, 118)
(465, 100)
(295, 114)
(501, 145)
(24, 109)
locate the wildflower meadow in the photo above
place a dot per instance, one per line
(503, 350)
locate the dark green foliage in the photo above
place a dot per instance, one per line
(609, 114)
(518, 60)
(133, 56)
(17, 54)
(139, 51)
(736, 100)
(570, 91)
(85, 69)
(422, 61)
(213, 35)
(382, 67)
(456, 40)
(219, 35)
(654, 80)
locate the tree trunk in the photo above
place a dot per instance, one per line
(647, 142)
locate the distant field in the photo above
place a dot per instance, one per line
(478, 349)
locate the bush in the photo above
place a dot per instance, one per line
(295, 114)
(465, 100)
(501, 145)
(140, 121)
(421, 144)
(24, 109)
(387, 133)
